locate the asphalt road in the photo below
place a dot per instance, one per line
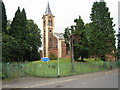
(103, 79)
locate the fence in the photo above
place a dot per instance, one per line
(15, 70)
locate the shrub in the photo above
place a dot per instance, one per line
(53, 56)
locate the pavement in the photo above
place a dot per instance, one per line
(102, 79)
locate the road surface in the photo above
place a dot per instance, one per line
(103, 79)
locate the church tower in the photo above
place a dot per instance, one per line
(48, 29)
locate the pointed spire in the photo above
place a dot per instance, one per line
(101, 0)
(48, 11)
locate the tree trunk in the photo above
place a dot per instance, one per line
(103, 57)
(72, 54)
(82, 59)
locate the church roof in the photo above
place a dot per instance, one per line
(48, 11)
(60, 35)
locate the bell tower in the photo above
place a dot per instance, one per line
(48, 29)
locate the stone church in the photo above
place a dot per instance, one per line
(53, 43)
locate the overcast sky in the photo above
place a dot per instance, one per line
(65, 11)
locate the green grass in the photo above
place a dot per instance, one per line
(54, 61)
(50, 69)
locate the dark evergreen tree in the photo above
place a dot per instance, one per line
(4, 19)
(4, 31)
(15, 29)
(22, 40)
(102, 38)
(81, 48)
(16, 32)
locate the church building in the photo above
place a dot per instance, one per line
(53, 43)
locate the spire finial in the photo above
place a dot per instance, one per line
(48, 11)
(101, 0)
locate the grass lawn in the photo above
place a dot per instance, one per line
(50, 69)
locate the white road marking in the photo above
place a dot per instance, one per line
(6, 85)
(70, 79)
(39, 85)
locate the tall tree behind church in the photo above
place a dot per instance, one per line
(102, 38)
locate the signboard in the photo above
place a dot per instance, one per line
(45, 59)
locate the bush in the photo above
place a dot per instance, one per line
(53, 56)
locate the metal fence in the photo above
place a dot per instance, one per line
(16, 70)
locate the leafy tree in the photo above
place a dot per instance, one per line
(68, 35)
(79, 39)
(34, 40)
(67, 38)
(102, 40)
(9, 48)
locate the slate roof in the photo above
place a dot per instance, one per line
(48, 11)
(60, 35)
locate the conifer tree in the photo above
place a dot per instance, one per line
(4, 19)
(102, 38)
(5, 37)
(81, 48)
(18, 31)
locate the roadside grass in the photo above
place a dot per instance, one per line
(54, 61)
(50, 69)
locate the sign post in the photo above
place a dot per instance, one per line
(58, 60)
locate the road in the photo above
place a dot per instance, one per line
(103, 79)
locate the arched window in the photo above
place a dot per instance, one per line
(49, 22)
(44, 23)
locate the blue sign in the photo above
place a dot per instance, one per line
(45, 59)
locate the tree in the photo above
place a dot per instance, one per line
(102, 39)
(118, 45)
(22, 40)
(68, 35)
(80, 41)
(4, 19)
(80, 47)
(19, 31)
(34, 40)
(4, 30)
